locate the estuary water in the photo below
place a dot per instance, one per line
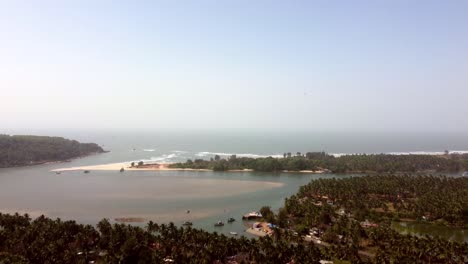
(165, 196)
(161, 196)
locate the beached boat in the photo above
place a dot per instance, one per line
(233, 233)
(187, 223)
(230, 220)
(219, 223)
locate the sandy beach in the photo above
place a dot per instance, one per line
(155, 167)
(126, 166)
(255, 232)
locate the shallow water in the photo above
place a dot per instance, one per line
(161, 196)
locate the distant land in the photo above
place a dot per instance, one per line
(310, 162)
(25, 150)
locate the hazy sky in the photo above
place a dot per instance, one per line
(306, 65)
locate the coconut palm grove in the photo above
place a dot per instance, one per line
(338, 220)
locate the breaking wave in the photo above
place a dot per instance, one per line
(407, 153)
(164, 157)
(179, 151)
(244, 155)
(149, 150)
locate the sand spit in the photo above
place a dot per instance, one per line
(126, 166)
(155, 167)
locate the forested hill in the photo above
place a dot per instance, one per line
(30, 150)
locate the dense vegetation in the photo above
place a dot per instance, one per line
(28, 150)
(348, 163)
(44, 240)
(333, 208)
(316, 207)
(353, 215)
(375, 197)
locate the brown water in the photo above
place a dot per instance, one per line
(161, 196)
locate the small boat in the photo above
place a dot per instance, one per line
(58, 172)
(86, 171)
(465, 174)
(230, 220)
(219, 223)
(122, 169)
(187, 223)
(233, 233)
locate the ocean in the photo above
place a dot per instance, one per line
(179, 145)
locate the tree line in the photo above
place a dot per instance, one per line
(44, 240)
(354, 215)
(29, 150)
(419, 197)
(334, 208)
(314, 161)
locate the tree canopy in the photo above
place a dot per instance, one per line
(29, 150)
(348, 163)
(43, 240)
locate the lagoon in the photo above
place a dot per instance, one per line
(161, 196)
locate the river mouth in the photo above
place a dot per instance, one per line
(141, 196)
(161, 196)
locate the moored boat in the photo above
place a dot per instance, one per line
(230, 220)
(187, 223)
(219, 223)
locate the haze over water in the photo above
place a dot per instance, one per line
(183, 144)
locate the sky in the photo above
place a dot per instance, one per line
(226, 65)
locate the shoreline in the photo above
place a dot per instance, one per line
(126, 166)
(48, 162)
(165, 167)
(156, 167)
(255, 232)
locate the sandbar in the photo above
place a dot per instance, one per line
(127, 166)
(156, 167)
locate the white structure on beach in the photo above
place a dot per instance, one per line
(252, 215)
